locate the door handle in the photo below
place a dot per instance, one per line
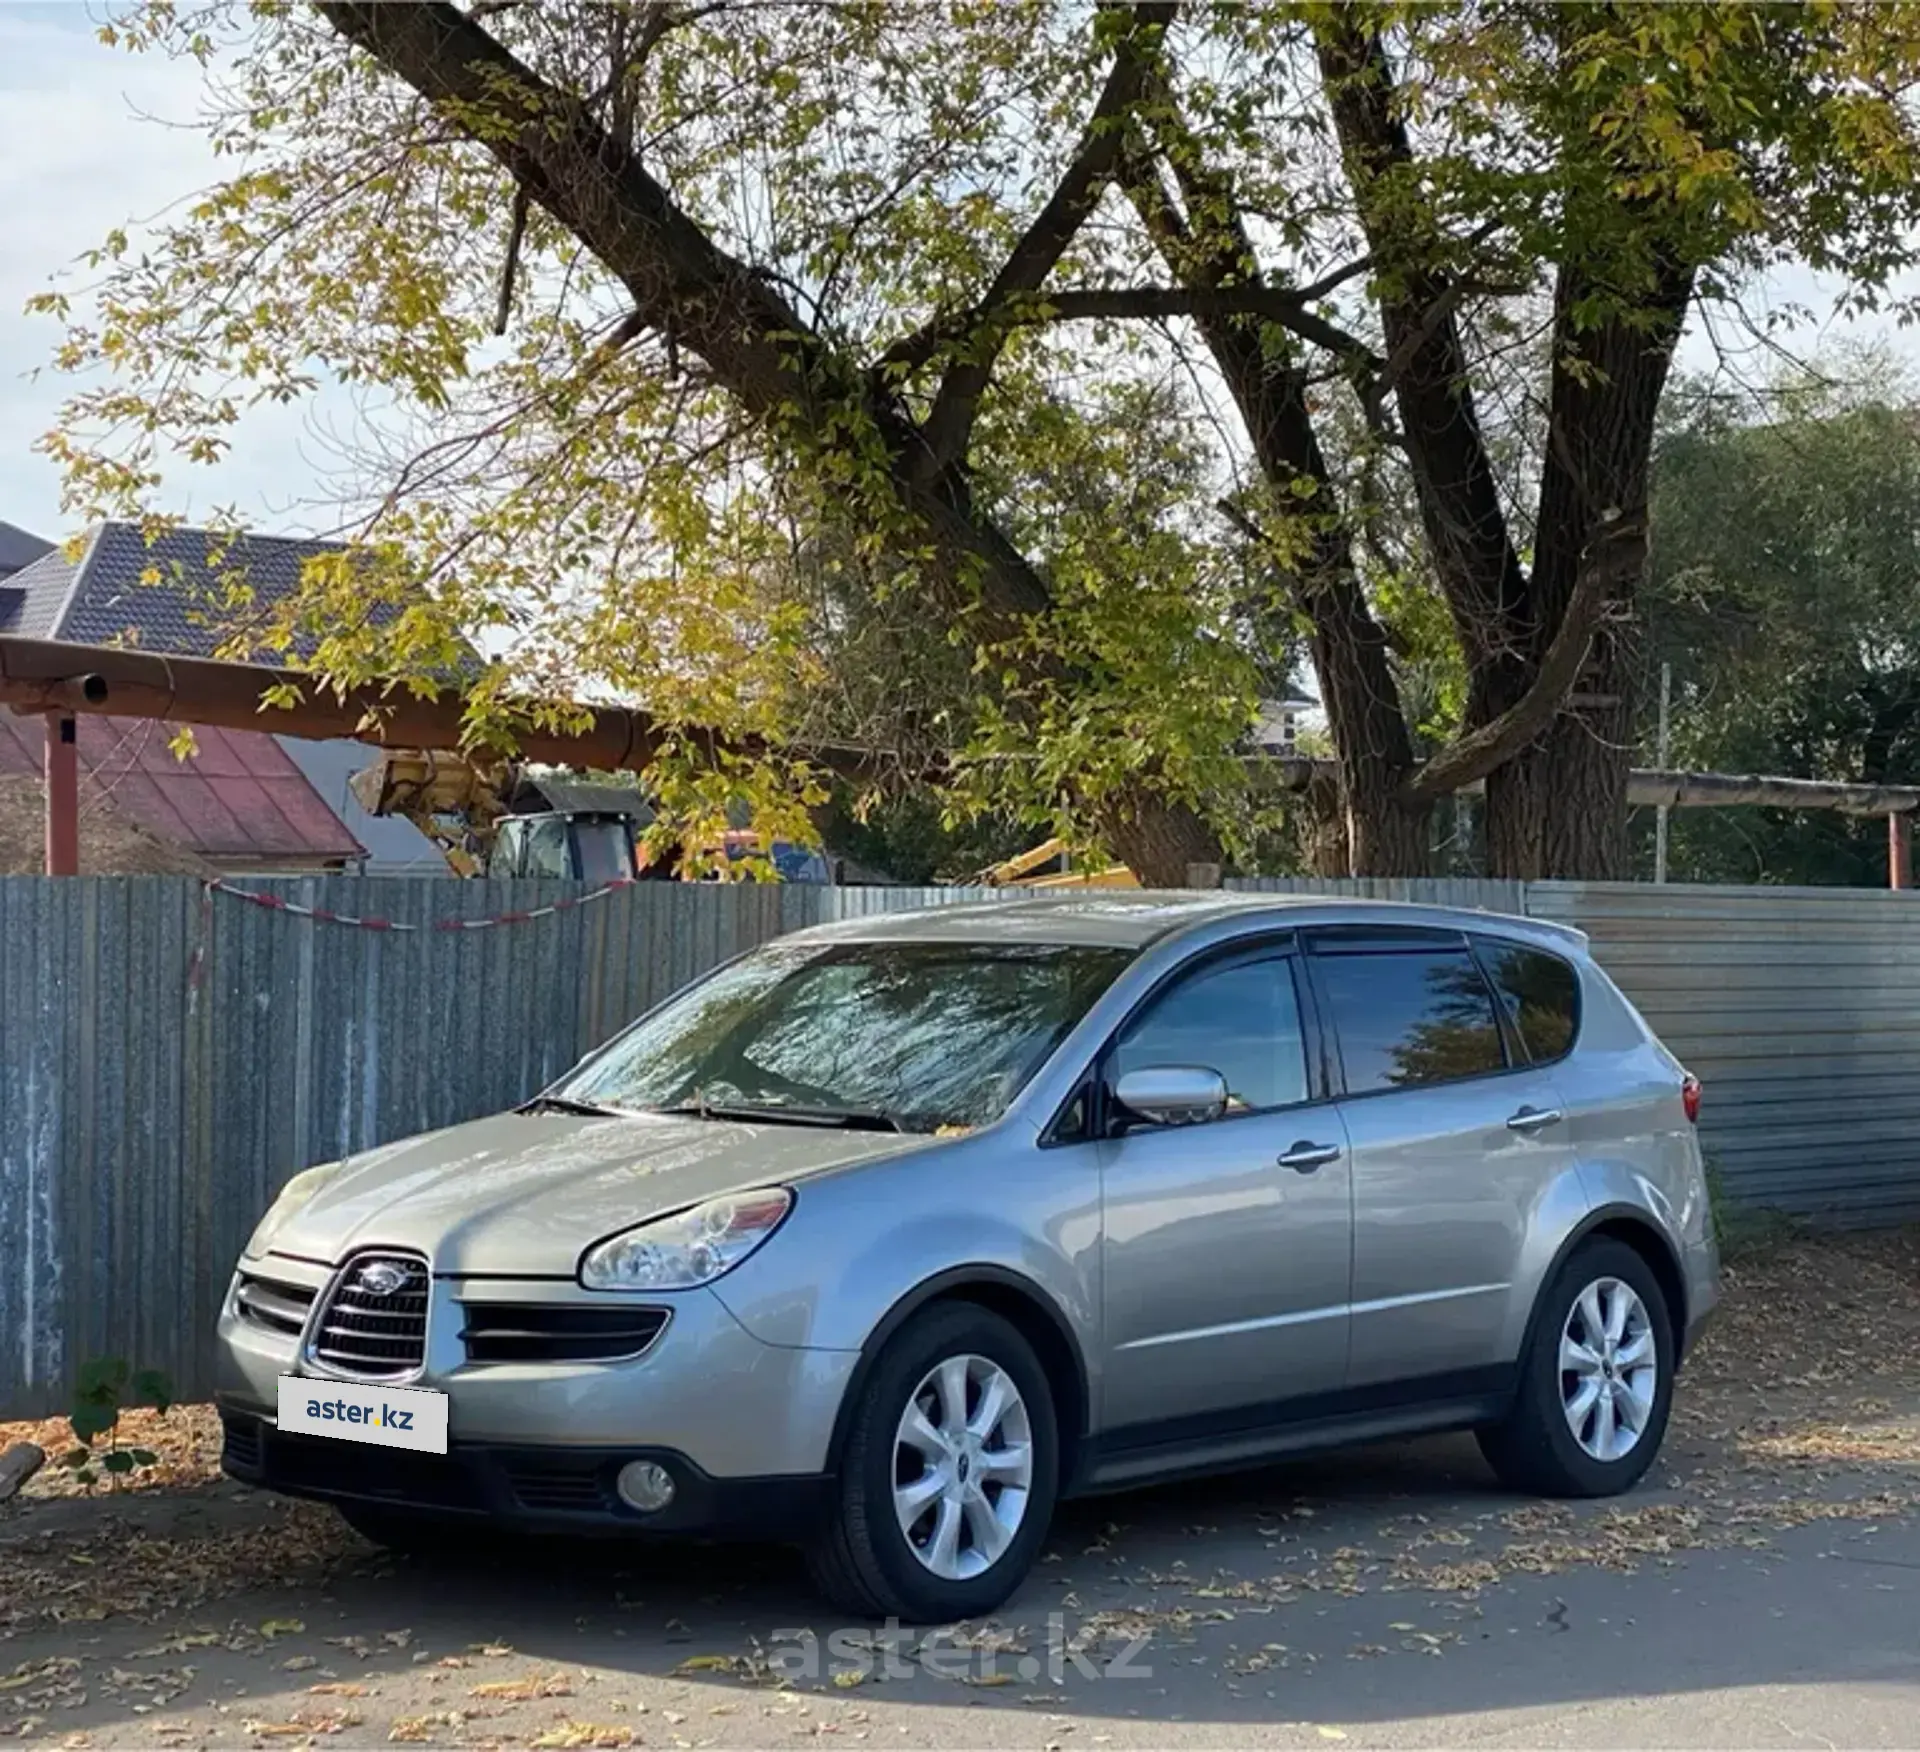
(1304, 1157)
(1533, 1119)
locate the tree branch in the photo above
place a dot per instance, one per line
(1453, 474)
(1612, 561)
(516, 232)
(756, 344)
(949, 424)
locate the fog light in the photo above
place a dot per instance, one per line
(646, 1486)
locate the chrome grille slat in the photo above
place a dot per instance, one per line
(277, 1306)
(368, 1335)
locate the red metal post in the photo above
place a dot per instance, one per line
(1899, 852)
(63, 796)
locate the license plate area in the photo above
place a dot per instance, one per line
(364, 1412)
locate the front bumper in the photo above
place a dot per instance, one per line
(526, 1489)
(727, 1405)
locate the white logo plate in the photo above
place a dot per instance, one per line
(354, 1411)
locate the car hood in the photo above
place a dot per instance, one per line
(521, 1195)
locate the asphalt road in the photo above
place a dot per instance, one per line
(1388, 1598)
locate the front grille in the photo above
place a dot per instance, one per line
(376, 1331)
(535, 1332)
(277, 1307)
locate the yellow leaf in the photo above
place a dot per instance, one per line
(706, 1664)
(272, 1627)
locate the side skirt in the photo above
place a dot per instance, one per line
(1143, 1454)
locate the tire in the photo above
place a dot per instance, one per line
(865, 1562)
(1536, 1449)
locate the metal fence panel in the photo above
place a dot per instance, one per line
(1799, 1010)
(168, 1057)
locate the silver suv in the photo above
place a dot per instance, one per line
(886, 1236)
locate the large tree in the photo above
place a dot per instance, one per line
(729, 356)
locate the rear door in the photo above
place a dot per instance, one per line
(1225, 1268)
(1455, 1137)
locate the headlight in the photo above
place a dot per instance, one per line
(685, 1251)
(294, 1197)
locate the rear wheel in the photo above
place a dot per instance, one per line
(948, 1479)
(1596, 1383)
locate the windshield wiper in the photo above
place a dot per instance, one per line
(566, 1104)
(845, 1118)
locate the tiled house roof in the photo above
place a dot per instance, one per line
(99, 599)
(237, 803)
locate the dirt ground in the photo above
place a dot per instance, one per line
(185, 1610)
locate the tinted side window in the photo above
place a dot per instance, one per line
(1410, 1017)
(1242, 1020)
(1541, 993)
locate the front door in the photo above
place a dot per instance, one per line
(1456, 1139)
(1225, 1271)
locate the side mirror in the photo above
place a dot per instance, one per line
(1172, 1094)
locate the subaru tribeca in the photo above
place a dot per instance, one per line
(886, 1236)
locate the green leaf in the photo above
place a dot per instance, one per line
(90, 1422)
(120, 1460)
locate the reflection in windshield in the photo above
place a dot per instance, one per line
(925, 1034)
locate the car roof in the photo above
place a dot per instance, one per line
(1135, 918)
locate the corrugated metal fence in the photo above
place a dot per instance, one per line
(169, 1057)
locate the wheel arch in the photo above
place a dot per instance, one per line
(1639, 1230)
(1016, 1299)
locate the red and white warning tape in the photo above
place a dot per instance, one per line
(325, 916)
(275, 903)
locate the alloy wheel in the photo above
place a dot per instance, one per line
(962, 1467)
(1609, 1369)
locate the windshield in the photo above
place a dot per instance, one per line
(914, 1035)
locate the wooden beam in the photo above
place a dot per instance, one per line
(1648, 787)
(48, 676)
(63, 795)
(45, 675)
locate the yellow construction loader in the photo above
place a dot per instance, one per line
(497, 819)
(503, 819)
(1030, 870)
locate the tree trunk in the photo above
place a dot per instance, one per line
(1157, 840)
(1387, 835)
(1559, 808)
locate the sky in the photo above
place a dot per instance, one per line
(96, 138)
(88, 148)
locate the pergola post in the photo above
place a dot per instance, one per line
(1899, 851)
(63, 795)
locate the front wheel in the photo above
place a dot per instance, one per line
(948, 1478)
(1596, 1382)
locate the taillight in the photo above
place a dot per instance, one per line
(1690, 1098)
